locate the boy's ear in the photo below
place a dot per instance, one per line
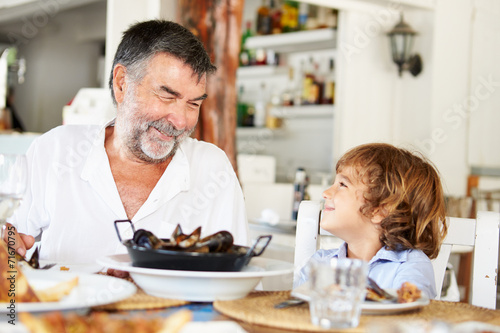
(379, 214)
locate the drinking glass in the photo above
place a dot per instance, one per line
(13, 182)
(338, 289)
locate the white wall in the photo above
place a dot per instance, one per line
(484, 98)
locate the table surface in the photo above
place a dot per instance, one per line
(256, 313)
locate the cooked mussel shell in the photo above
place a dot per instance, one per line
(146, 239)
(221, 241)
(218, 242)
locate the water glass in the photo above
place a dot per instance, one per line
(338, 289)
(13, 182)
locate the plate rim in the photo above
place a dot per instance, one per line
(85, 279)
(368, 308)
(108, 261)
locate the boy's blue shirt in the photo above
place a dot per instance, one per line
(388, 268)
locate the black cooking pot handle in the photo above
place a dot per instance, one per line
(118, 231)
(267, 239)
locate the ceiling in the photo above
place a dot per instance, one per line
(16, 14)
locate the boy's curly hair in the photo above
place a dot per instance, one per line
(407, 189)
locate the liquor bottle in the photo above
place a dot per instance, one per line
(276, 16)
(329, 86)
(260, 107)
(303, 15)
(272, 121)
(246, 55)
(316, 87)
(290, 16)
(287, 96)
(241, 108)
(299, 191)
(263, 19)
(307, 82)
(297, 95)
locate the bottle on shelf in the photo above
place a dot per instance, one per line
(329, 85)
(303, 15)
(297, 95)
(288, 94)
(308, 82)
(241, 108)
(299, 191)
(260, 107)
(316, 88)
(290, 16)
(246, 56)
(263, 25)
(272, 121)
(276, 16)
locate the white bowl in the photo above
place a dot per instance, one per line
(199, 286)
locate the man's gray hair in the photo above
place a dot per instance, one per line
(145, 39)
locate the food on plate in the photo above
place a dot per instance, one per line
(372, 295)
(15, 286)
(58, 291)
(221, 241)
(64, 268)
(408, 292)
(98, 322)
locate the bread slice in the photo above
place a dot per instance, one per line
(14, 286)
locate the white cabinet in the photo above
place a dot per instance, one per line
(306, 137)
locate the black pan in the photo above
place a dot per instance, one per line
(232, 261)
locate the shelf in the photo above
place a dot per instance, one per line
(303, 111)
(260, 71)
(260, 133)
(295, 41)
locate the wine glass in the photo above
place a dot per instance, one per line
(13, 183)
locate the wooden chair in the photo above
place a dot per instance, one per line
(482, 234)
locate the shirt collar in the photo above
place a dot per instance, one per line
(97, 154)
(382, 255)
(389, 255)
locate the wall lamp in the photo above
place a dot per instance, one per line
(401, 37)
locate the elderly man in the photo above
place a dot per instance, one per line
(142, 166)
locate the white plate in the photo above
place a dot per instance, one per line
(199, 286)
(92, 290)
(73, 268)
(372, 308)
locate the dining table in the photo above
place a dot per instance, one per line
(256, 312)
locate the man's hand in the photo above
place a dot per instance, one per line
(18, 241)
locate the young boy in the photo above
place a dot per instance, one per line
(387, 205)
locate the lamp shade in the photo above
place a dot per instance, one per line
(401, 37)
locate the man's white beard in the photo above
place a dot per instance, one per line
(137, 132)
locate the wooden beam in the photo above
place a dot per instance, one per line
(218, 25)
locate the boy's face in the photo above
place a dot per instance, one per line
(341, 215)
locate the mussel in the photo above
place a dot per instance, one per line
(221, 241)
(146, 239)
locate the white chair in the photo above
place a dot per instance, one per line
(483, 235)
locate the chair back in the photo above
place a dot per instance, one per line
(482, 234)
(306, 235)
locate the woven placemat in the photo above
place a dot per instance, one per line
(258, 309)
(140, 301)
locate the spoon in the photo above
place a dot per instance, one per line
(386, 297)
(289, 303)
